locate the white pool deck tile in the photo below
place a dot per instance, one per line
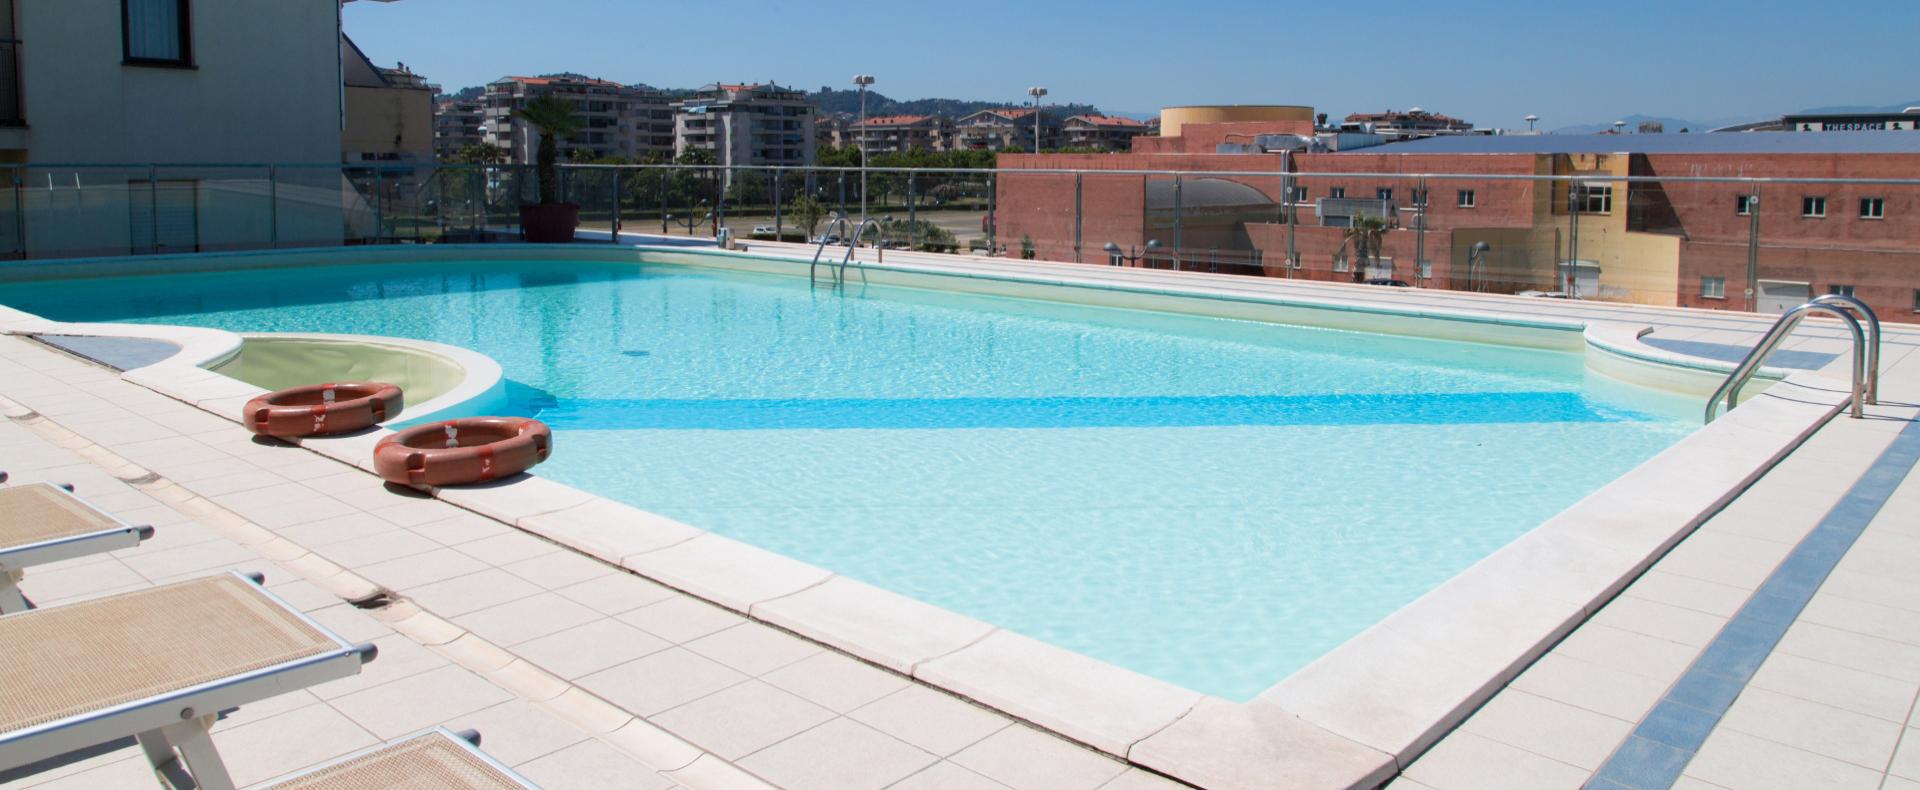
(834, 721)
(732, 687)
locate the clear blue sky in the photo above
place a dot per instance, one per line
(1490, 61)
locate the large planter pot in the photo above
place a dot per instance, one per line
(549, 223)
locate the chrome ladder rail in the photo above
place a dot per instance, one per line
(839, 221)
(853, 243)
(1841, 307)
(1872, 323)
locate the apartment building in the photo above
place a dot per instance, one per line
(631, 122)
(743, 125)
(1105, 132)
(389, 111)
(207, 81)
(1679, 243)
(456, 125)
(1001, 128)
(890, 134)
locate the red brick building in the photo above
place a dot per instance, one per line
(1668, 242)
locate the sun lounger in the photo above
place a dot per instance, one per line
(436, 759)
(157, 664)
(43, 523)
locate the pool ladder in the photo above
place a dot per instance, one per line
(841, 221)
(1866, 352)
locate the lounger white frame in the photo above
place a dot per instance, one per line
(459, 738)
(178, 721)
(15, 560)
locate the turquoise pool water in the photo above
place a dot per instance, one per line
(1215, 503)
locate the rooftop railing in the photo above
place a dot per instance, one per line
(1721, 242)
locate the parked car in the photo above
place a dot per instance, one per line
(834, 239)
(764, 230)
(1544, 294)
(1389, 282)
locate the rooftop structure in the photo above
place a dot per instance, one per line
(1108, 132)
(1414, 123)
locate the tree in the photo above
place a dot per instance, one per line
(481, 154)
(807, 212)
(1365, 236)
(554, 118)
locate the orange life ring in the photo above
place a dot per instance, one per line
(322, 409)
(458, 452)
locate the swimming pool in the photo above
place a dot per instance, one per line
(1211, 502)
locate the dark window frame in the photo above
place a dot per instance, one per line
(185, 61)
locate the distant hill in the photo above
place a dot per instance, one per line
(835, 101)
(471, 93)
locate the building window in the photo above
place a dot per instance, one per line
(1466, 198)
(156, 32)
(1294, 261)
(1424, 270)
(1420, 197)
(1713, 287)
(1916, 300)
(1873, 208)
(1813, 206)
(1743, 205)
(1591, 198)
(1384, 193)
(1840, 290)
(1337, 193)
(1299, 194)
(1340, 261)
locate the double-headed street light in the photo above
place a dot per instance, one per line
(1036, 93)
(1131, 255)
(860, 133)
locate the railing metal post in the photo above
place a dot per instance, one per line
(479, 200)
(779, 227)
(993, 214)
(153, 205)
(379, 206)
(1753, 250)
(20, 210)
(615, 236)
(1177, 229)
(913, 212)
(1078, 214)
(1420, 229)
(1571, 282)
(843, 192)
(1289, 212)
(721, 181)
(273, 207)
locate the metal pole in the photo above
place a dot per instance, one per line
(1177, 229)
(479, 175)
(1570, 283)
(861, 134)
(615, 236)
(1293, 213)
(1078, 215)
(273, 207)
(778, 227)
(720, 201)
(379, 207)
(20, 211)
(993, 214)
(663, 200)
(1753, 250)
(153, 205)
(1420, 229)
(913, 214)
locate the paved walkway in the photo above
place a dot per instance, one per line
(1831, 704)
(577, 673)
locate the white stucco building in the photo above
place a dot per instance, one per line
(186, 84)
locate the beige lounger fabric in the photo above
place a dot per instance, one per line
(39, 513)
(428, 762)
(92, 655)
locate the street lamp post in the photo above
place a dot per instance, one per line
(1530, 119)
(1036, 93)
(860, 133)
(1131, 255)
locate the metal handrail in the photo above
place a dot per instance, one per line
(839, 221)
(1873, 339)
(1729, 391)
(854, 244)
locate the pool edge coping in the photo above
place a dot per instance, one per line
(1152, 723)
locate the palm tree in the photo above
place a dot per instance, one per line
(555, 119)
(1364, 235)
